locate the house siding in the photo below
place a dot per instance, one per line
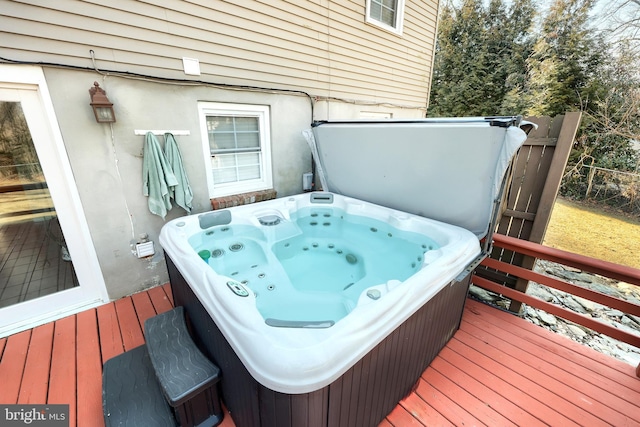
(305, 60)
(324, 48)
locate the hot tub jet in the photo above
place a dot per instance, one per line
(235, 247)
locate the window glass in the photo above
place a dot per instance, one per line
(384, 11)
(387, 14)
(236, 139)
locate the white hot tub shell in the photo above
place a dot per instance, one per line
(440, 178)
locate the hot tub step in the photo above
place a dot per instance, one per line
(167, 382)
(131, 395)
(187, 378)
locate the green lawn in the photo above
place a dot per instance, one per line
(595, 232)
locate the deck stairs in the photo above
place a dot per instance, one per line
(165, 382)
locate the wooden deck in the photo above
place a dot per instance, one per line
(31, 261)
(498, 370)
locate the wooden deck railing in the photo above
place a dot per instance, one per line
(592, 265)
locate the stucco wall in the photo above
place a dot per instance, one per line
(107, 159)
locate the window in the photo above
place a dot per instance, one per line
(387, 14)
(236, 147)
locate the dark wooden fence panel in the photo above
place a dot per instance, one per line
(535, 178)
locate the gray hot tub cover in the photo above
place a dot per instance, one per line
(446, 169)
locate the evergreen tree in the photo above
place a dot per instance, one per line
(508, 41)
(490, 61)
(457, 72)
(480, 57)
(564, 62)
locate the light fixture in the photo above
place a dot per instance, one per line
(102, 107)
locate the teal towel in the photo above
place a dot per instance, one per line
(181, 193)
(157, 177)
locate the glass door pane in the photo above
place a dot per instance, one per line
(34, 260)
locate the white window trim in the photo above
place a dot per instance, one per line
(399, 19)
(225, 109)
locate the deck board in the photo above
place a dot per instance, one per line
(130, 329)
(486, 414)
(586, 375)
(62, 379)
(547, 382)
(519, 396)
(35, 378)
(167, 289)
(455, 411)
(12, 366)
(422, 411)
(498, 370)
(494, 400)
(554, 343)
(144, 308)
(160, 300)
(89, 371)
(400, 417)
(547, 389)
(109, 332)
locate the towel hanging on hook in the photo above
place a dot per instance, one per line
(157, 177)
(181, 193)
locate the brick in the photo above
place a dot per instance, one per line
(268, 194)
(242, 199)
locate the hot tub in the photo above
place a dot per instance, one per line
(324, 309)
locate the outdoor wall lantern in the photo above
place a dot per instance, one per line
(102, 107)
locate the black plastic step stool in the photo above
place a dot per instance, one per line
(141, 386)
(131, 395)
(187, 377)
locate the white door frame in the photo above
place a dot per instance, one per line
(27, 85)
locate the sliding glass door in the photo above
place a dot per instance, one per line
(48, 265)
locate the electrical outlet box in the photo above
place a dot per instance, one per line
(145, 249)
(307, 181)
